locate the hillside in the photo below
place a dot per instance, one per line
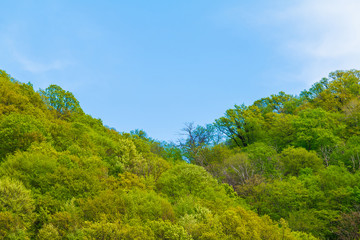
(286, 167)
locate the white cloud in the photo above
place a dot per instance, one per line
(327, 36)
(325, 28)
(324, 35)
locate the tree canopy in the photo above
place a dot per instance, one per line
(284, 167)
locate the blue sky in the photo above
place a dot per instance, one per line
(155, 65)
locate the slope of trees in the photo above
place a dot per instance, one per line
(64, 175)
(295, 157)
(285, 167)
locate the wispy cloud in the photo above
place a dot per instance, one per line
(324, 34)
(326, 29)
(38, 67)
(21, 52)
(327, 36)
(34, 66)
(27, 60)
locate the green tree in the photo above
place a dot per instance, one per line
(242, 125)
(348, 154)
(337, 90)
(168, 231)
(278, 103)
(19, 97)
(117, 230)
(315, 90)
(18, 132)
(212, 158)
(60, 100)
(280, 198)
(293, 160)
(16, 209)
(317, 129)
(237, 169)
(187, 179)
(263, 159)
(281, 130)
(351, 112)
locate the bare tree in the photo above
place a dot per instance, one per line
(197, 138)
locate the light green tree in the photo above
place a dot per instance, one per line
(242, 125)
(292, 160)
(60, 100)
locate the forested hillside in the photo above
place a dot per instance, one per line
(286, 167)
(291, 157)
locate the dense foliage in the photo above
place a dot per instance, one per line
(294, 157)
(286, 167)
